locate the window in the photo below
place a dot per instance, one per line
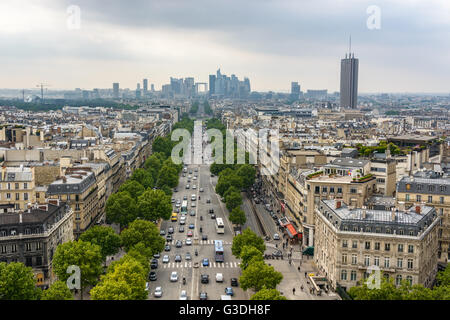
(37, 195)
(8, 196)
(386, 262)
(344, 275)
(28, 261)
(399, 263)
(441, 200)
(409, 279)
(339, 190)
(400, 248)
(366, 261)
(410, 249)
(398, 280)
(354, 259)
(16, 185)
(9, 186)
(77, 206)
(401, 232)
(317, 189)
(418, 198)
(353, 190)
(28, 246)
(25, 196)
(324, 189)
(344, 244)
(344, 259)
(410, 263)
(331, 189)
(367, 245)
(407, 197)
(38, 245)
(13, 248)
(353, 275)
(27, 231)
(387, 247)
(17, 196)
(430, 199)
(376, 261)
(39, 261)
(25, 185)
(377, 246)
(3, 249)
(355, 244)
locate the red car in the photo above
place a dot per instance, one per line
(189, 234)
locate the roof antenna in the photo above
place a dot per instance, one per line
(350, 46)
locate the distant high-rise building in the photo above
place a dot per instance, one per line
(295, 90)
(349, 81)
(138, 91)
(152, 87)
(145, 85)
(116, 90)
(212, 84)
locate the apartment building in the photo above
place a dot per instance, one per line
(353, 242)
(31, 236)
(17, 186)
(434, 190)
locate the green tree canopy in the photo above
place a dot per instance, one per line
(259, 275)
(145, 232)
(268, 294)
(111, 289)
(250, 254)
(85, 255)
(105, 237)
(237, 216)
(154, 204)
(121, 208)
(248, 173)
(247, 238)
(167, 176)
(57, 291)
(163, 145)
(144, 177)
(17, 282)
(231, 190)
(134, 188)
(233, 200)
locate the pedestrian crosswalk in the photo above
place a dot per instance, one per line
(205, 242)
(179, 265)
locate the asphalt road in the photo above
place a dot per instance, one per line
(230, 268)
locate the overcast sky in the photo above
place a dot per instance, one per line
(271, 42)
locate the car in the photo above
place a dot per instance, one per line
(185, 197)
(212, 176)
(219, 277)
(189, 234)
(205, 262)
(170, 230)
(192, 213)
(189, 176)
(162, 233)
(154, 265)
(203, 296)
(178, 244)
(174, 276)
(183, 295)
(158, 292)
(190, 171)
(178, 205)
(193, 204)
(192, 226)
(175, 190)
(195, 178)
(204, 237)
(173, 200)
(213, 216)
(177, 258)
(188, 256)
(184, 174)
(201, 190)
(152, 276)
(169, 238)
(181, 229)
(188, 241)
(204, 278)
(183, 220)
(167, 247)
(229, 291)
(187, 186)
(194, 187)
(188, 180)
(156, 256)
(211, 210)
(276, 236)
(196, 169)
(166, 259)
(208, 200)
(234, 282)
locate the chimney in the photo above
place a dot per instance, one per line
(418, 209)
(364, 212)
(338, 204)
(54, 202)
(393, 214)
(64, 179)
(20, 217)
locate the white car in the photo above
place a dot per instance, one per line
(219, 277)
(174, 276)
(166, 259)
(276, 236)
(193, 204)
(201, 189)
(183, 295)
(188, 241)
(194, 187)
(158, 292)
(195, 178)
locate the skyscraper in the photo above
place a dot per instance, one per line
(349, 81)
(116, 90)
(138, 91)
(295, 90)
(145, 86)
(212, 84)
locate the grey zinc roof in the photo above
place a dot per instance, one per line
(349, 162)
(424, 185)
(73, 185)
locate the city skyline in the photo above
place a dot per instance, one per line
(272, 43)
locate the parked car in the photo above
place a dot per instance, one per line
(208, 200)
(192, 213)
(211, 210)
(166, 259)
(203, 296)
(152, 276)
(156, 256)
(213, 216)
(181, 229)
(183, 295)
(201, 190)
(158, 292)
(229, 291)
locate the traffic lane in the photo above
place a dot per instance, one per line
(251, 222)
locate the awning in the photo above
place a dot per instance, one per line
(291, 231)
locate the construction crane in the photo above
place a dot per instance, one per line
(42, 85)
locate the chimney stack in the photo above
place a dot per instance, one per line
(364, 212)
(393, 214)
(418, 209)
(338, 204)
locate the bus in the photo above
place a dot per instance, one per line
(218, 251)
(220, 227)
(184, 206)
(174, 216)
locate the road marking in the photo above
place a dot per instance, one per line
(185, 264)
(214, 264)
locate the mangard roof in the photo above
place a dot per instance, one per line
(72, 184)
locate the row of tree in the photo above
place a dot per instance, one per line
(207, 108)
(256, 274)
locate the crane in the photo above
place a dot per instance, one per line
(42, 85)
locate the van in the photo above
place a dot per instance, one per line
(174, 216)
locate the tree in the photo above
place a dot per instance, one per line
(259, 275)
(109, 289)
(233, 200)
(154, 204)
(85, 255)
(153, 164)
(237, 216)
(142, 254)
(134, 188)
(167, 176)
(143, 177)
(250, 254)
(247, 238)
(57, 291)
(247, 172)
(17, 282)
(121, 208)
(230, 190)
(105, 237)
(163, 145)
(268, 294)
(145, 232)
(167, 190)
